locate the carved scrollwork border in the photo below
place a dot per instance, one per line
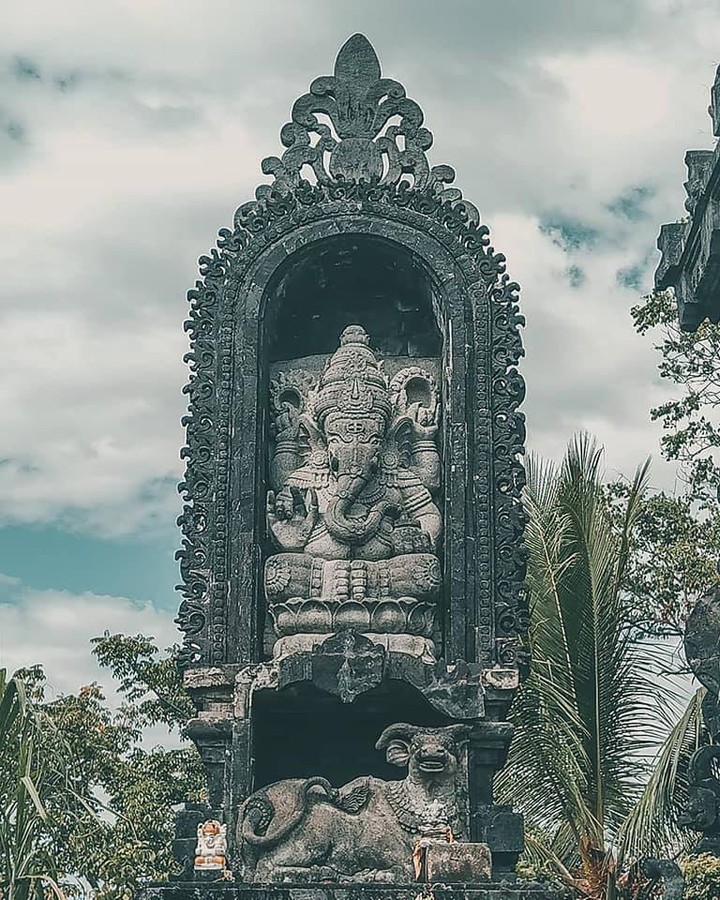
(499, 430)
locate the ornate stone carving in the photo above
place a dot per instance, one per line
(358, 142)
(322, 502)
(354, 515)
(305, 830)
(222, 323)
(702, 650)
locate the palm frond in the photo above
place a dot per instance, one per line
(588, 710)
(652, 826)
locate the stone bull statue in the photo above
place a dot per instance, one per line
(305, 830)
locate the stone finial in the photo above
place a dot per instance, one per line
(699, 166)
(355, 141)
(714, 108)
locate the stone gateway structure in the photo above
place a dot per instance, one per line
(352, 562)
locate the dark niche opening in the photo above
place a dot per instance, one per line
(347, 280)
(300, 731)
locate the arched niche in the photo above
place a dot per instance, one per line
(345, 280)
(298, 716)
(460, 309)
(475, 308)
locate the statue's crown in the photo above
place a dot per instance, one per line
(352, 383)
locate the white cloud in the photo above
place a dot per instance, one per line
(121, 179)
(54, 628)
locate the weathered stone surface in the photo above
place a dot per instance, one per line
(303, 236)
(352, 530)
(691, 249)
(355, 471)
(308, 831)
(456, 863)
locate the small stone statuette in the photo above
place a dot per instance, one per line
(211, 850)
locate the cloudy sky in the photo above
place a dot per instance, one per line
(130, 130)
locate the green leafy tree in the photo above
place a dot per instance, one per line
(119, 830)
(692, 420)
(134, 786)
(673, 558)
(593, 706)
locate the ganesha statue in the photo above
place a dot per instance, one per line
(355, 474)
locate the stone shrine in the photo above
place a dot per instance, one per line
(352, 563)
(690, 263)
(690, 266)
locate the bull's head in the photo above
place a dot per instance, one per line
(429, 753)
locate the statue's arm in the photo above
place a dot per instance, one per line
(291, 516)
(420, 506)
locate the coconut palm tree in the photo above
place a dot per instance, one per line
(594, 705)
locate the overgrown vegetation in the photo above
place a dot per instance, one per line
(104, 819)
(594, 706)
(692, 420)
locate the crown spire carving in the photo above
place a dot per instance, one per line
(369, 129)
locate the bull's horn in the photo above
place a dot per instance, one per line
(400, 731)
(459, 732)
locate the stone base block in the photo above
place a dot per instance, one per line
(456, 863)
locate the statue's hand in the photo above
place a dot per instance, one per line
(424, 420)
(291, 516)
(287, 424)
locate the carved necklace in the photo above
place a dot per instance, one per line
(371, 494)
(412, 813)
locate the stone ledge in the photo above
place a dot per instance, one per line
(491, 890)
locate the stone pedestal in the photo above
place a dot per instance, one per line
(491, 890)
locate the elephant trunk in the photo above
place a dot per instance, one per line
(353, 529)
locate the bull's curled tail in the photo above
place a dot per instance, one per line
(257, 814)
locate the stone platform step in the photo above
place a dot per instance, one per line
(490, 890)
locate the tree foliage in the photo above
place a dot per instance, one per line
(119, 831)
(692, 420)
(37, 785)
(673, 559)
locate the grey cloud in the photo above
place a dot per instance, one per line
(24, 69)
(140, 143)
(575, 276)
(632, 277)
(632, 204)
(571, 235)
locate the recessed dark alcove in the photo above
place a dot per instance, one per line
(346, 280)
(301, 731)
